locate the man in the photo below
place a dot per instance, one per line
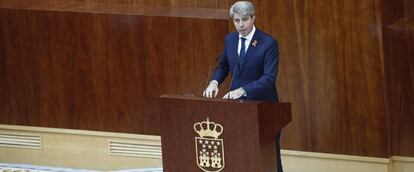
(252, 58)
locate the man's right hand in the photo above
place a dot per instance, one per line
(211, 90)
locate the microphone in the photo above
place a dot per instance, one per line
(209, 69)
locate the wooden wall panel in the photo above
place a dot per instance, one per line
(397, 41)
(391, 12)
(115, 7)
(84, 66)
(409, 9)
(400, 76)
(214, 4)
(100, 71)
(179, 61)
(332, 72)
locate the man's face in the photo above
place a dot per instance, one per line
(243, 24)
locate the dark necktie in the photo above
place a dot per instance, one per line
(243, 48)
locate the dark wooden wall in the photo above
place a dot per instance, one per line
(216, 4)
(100, 71)
(332, 72)
(100, 66)
(409, 8)
(399, 75)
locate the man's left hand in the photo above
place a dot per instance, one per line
(235, 94)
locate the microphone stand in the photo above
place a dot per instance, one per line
(209, 69)
(232, 76)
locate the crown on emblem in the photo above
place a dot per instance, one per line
(207, 129)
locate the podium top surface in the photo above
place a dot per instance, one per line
(198, 98)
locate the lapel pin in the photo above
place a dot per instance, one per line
(254, 43)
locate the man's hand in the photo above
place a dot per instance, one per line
(235, 94)
(211, 90)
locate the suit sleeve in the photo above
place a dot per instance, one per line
(268, 78)
(222, 69)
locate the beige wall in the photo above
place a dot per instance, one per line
(77, 149)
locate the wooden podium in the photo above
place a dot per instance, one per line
(200, 134)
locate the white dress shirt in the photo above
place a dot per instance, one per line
(249, 38)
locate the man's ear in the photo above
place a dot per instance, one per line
(253, 18)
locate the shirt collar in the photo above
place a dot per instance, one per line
(250, 35)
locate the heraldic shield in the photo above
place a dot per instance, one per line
(209, 149)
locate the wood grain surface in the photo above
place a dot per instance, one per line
(100, 71)
(399, 58)
(248, 131)
(332, 71)
(344, 65)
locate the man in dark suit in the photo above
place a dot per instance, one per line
(252, 58)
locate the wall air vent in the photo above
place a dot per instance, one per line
(138, 149)
(21, 140)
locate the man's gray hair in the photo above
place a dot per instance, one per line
(243, 8)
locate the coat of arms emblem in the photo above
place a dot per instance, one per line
(209, 149)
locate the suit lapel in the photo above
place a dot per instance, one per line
(233, 47)
(250, 50)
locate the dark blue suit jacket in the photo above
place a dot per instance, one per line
(256, 72)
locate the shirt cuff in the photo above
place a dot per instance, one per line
(214, 81)
(244, 92)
